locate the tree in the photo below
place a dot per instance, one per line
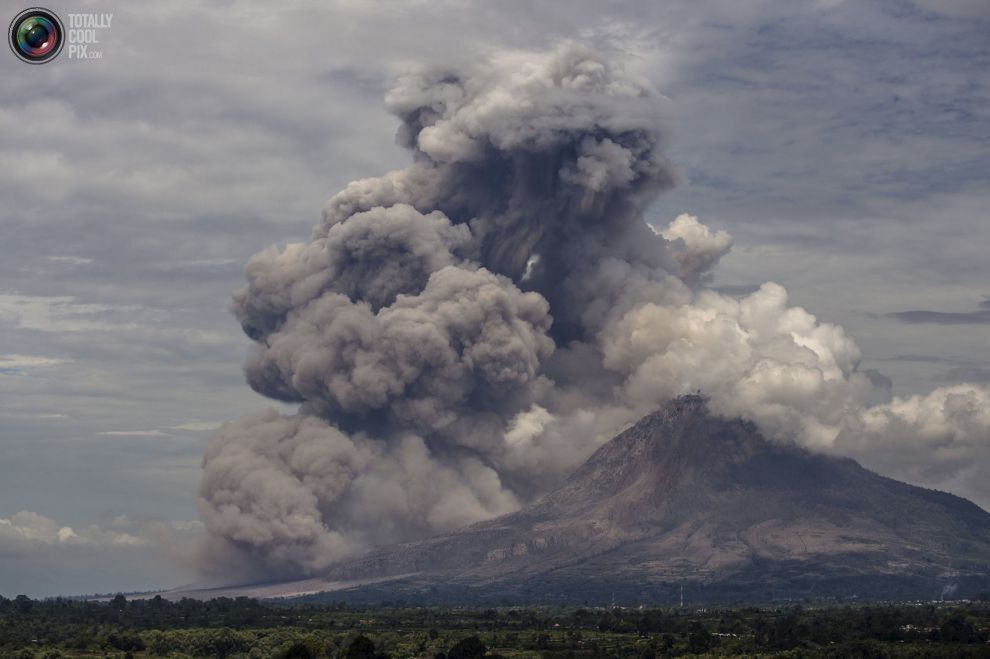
(299, 650)
(957, 629)
(467, 648)
(700, 639)
(23, 603)
(361, 647)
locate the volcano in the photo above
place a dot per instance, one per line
(686, 502)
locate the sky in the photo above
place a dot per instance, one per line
(844, 145)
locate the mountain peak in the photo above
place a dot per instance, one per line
(685, 404)
(684, 409)
(680, 438)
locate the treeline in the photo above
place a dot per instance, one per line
(245, 627)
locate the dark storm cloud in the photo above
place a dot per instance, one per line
(964, 374)
(979, 317)
(878, 379)
(737, 290)
(923, 359)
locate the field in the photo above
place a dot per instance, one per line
(248, 628)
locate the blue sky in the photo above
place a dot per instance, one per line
(844, 145)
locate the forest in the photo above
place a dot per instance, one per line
(128, 628)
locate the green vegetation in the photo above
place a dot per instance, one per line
(247, 628)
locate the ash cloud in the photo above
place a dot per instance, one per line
(461, 333)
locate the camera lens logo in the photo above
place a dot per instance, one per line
(36, 35)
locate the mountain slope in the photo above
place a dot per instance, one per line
(686, 500)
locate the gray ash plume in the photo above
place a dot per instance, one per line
(461, 333)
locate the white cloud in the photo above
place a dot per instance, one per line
(26, 531)
(197, 426)
(20, 363)
(59, 313)
(164, 431)
(70, 260)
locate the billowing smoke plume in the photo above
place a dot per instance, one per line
(462, 333)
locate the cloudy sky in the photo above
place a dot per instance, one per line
(844, 145)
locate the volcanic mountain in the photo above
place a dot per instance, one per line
(685, 501)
